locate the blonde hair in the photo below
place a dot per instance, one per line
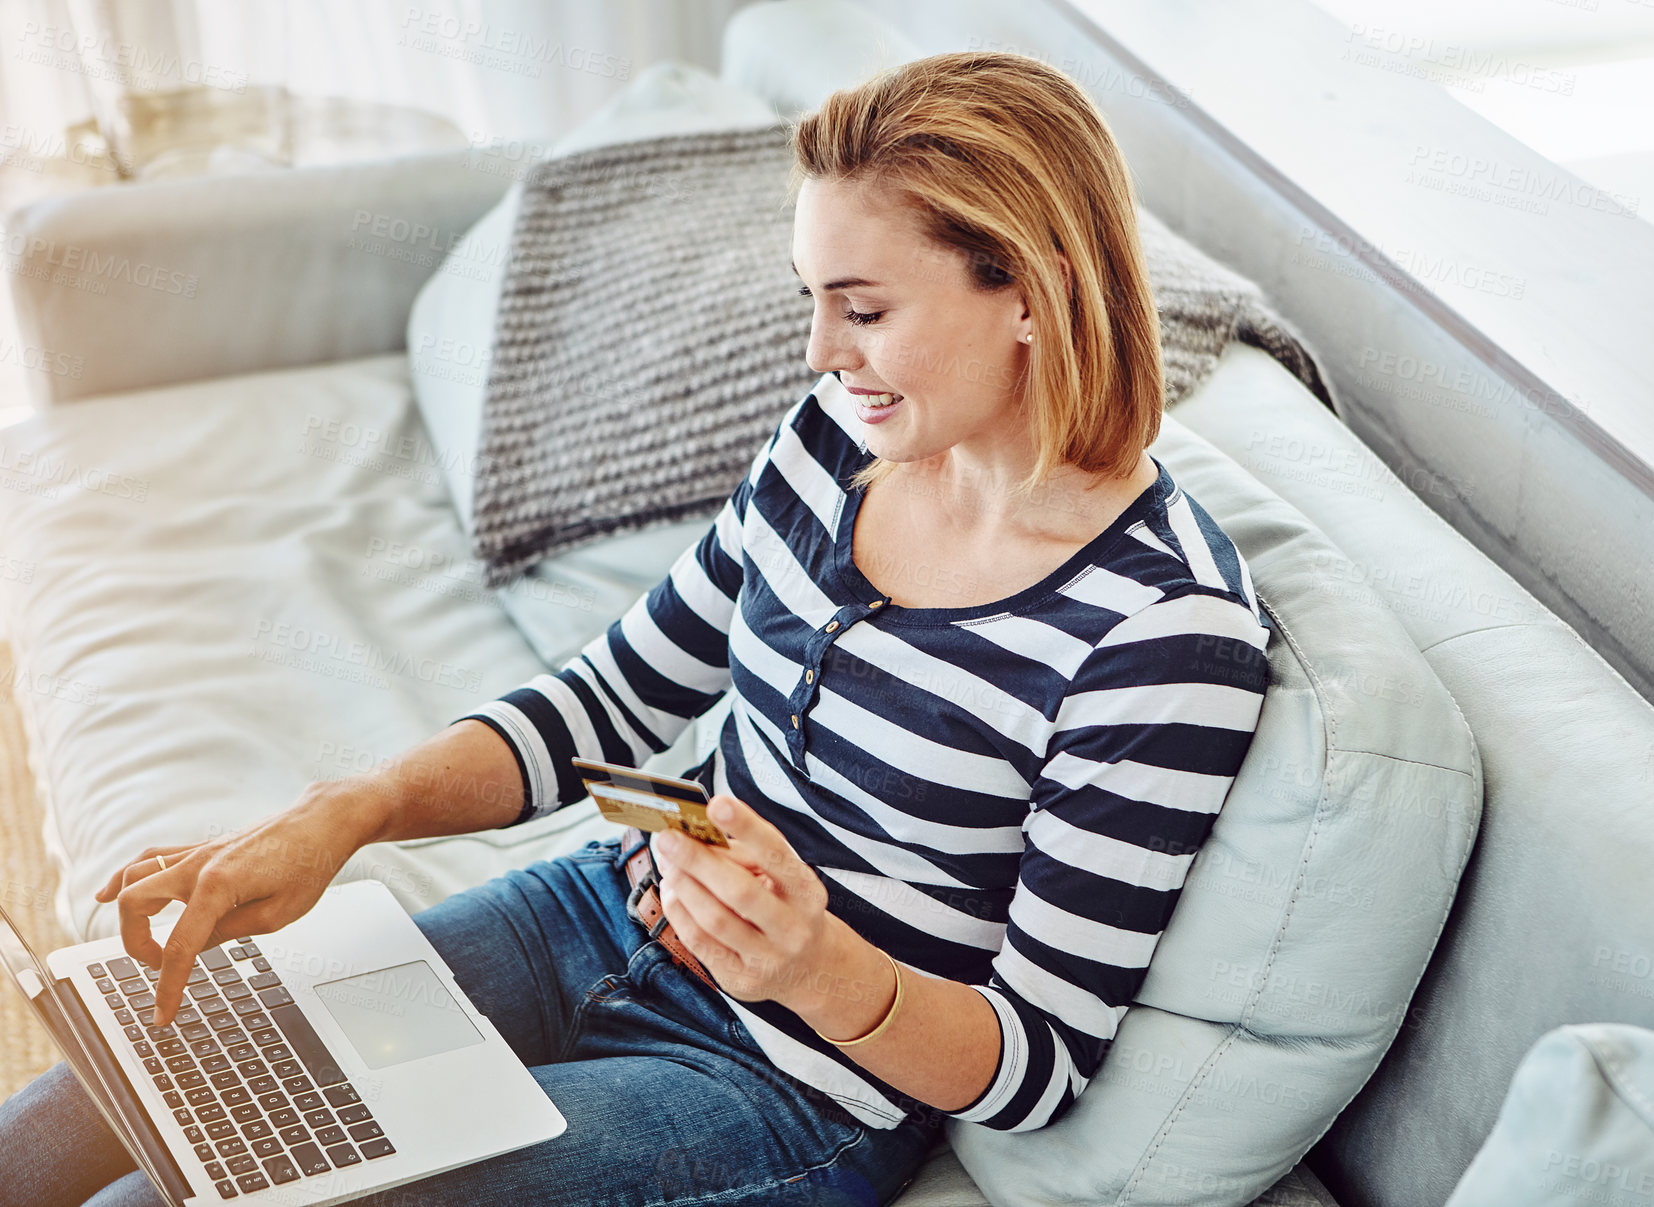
(1008, 161)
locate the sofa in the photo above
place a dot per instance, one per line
(243, 520)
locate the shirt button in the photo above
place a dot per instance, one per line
(809, 676)
(795, 720)
(877, 603)
(831, 625)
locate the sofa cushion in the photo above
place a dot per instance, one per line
(1308, 916)
(277, 591)
(1551, 924)
(451, 326)
(1578, 1124)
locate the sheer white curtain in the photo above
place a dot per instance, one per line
(496, 69)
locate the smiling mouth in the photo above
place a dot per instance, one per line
(878, 400)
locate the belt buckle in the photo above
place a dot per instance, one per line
(645, 882)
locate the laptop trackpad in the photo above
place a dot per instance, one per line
(397, 1014)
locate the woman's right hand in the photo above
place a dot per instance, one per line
(252, 881)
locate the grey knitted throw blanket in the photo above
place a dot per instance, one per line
(650, 336)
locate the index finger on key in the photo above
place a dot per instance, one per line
(191, 934)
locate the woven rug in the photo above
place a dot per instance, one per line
(27, 884)
(650, 336)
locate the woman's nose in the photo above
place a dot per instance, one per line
(827, 353)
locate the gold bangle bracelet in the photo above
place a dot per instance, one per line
(884, 1022)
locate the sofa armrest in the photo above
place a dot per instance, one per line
(149, 284)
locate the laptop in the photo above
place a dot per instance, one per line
(313, 1065)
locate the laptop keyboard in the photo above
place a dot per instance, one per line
(247, 1077)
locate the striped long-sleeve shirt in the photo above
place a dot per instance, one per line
(1008, 794)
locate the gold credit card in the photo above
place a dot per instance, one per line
(630, 797)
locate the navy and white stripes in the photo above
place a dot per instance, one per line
(1008, 795)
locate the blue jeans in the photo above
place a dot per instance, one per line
(667, 1097)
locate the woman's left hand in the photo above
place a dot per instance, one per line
(754, 913)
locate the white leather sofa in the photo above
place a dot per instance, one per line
(246, 570)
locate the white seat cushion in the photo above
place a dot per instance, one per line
(239, 586)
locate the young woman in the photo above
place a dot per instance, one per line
(993, 673)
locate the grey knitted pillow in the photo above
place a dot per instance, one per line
(650, 336)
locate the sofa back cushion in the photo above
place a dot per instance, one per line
(1308, 916)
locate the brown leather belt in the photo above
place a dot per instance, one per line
(643, 902)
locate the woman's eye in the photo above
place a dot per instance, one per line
(863, 317)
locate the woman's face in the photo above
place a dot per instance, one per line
(897, 313)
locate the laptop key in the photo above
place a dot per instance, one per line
(173, 1099)
(201, 1095)
(331, 1135)
(251, 1068)
(342, 1155)
(260, 963)
(266, 1146)
(210, 1114)
(263, 1085)
(96, 970)
(214, 958)
(307, 1102)
(249, 1006)
(235, 1096)
(197, 975)
(194, 1134)
(342, 1095)
(122, 969)
(182, 1063)
(250, 947)
(183, 1116)
(205, 1047)
(242, 1164)
(226, 1188)
(288, 1068)
(258, 1130)
(234, 1035)
(252, 1181)
(319, 1118)
(134, 1033)
(247, 1112)
(152, 1064)
(276, 996)
(204, 1152)
(231, 1146)
(241, 1052)
(308, 1044)
(354, 1113)
(115, 1000)
(281, 1169)
(226, 1079)
(379, 1147)
(221, 1129)
(294, 1136)
(284, 1116)
(267, 1036)
(226, 976)
(141, 1001)
(215, 1171)
(216, 1063)
(272, 1101)
(259, 980)
(194, 1031)
(256, 1022)
(237, 991)
(310, 1160)
(366, 1131)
